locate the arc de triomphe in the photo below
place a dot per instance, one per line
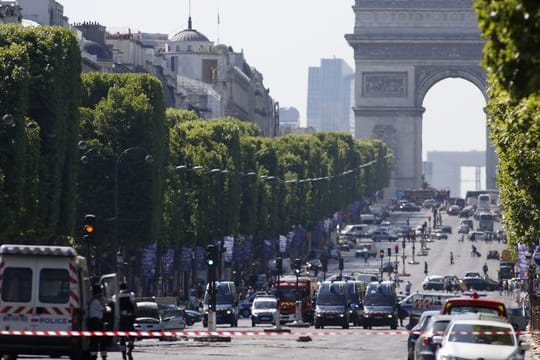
(401, 49)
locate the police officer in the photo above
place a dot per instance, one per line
(126, 308)
(95, 322)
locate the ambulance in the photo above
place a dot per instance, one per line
(43, 288)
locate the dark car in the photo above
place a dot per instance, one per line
(192, 317)
(433, 282)
(480, 284)
(417, 330)
(409, 207)
(493, 254)
(444, 228)
(506, 272)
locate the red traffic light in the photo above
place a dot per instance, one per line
(381, 253)
(396, 248)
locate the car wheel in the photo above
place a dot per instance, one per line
(393, 326)
(205, 324)
(345, 325)
(253, 323)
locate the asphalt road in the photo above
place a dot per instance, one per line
(331, 342)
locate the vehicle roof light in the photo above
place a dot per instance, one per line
(12, 249)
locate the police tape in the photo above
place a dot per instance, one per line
(272, 332)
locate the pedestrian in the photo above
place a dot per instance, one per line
(127, 307)
(485, 269)
(95, 322)
(408, 288)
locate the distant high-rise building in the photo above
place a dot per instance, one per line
(329, 96)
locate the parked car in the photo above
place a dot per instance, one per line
(493, 254)
(172, 317)
(263, 310)
(245, 304)
(480, 284)
(439, 235)
(453, 210)
(425, 348)
(417, 330)
(433, 282)
(480, 339)
(444, 228)
(463, 229)
(192, 316)
(383, 235)
(147, 317)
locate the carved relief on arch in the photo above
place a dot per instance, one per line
(388, 134)
(427, 76)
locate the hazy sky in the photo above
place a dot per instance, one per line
(282, 38)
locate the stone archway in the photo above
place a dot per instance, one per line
(401, 49)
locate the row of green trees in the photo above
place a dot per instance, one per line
(512, 61)
(73, 145)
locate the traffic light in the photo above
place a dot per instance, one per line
(279, 265)
(381, 254)
(89, 227)
(396, 248)
(211, 262)
(403, 244)
(297, 266)
(340, 263)
(389, 251)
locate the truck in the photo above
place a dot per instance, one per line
(288, 295)
(44, 288)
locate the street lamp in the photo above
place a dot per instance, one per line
(149, 159)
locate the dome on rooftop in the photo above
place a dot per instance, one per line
(189, 34)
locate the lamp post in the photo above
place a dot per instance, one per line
(149, 159)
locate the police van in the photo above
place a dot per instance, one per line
(43, 288)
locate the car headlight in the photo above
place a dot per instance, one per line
(341, 315)
(228, 311)
(318, 314)
(390, 316)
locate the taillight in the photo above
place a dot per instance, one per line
(427, 341)
(75, 319)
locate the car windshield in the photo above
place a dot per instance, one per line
(265, 304)
(482, 334)
(472, 309)
(378, 299)
(440, 326)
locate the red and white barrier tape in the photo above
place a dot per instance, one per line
(232, 333)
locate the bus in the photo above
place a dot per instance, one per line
(471, 197)
(485, 221)
(483, 202)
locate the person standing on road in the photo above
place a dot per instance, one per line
(127, 307)
(485, 269)
(95, 322)
(408, 288)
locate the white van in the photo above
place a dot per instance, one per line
(43, 288)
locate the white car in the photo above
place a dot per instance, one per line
(147, 317)
(263, 310)
(480, 339)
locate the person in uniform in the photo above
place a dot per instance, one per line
(95, 322)
(126, 308)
